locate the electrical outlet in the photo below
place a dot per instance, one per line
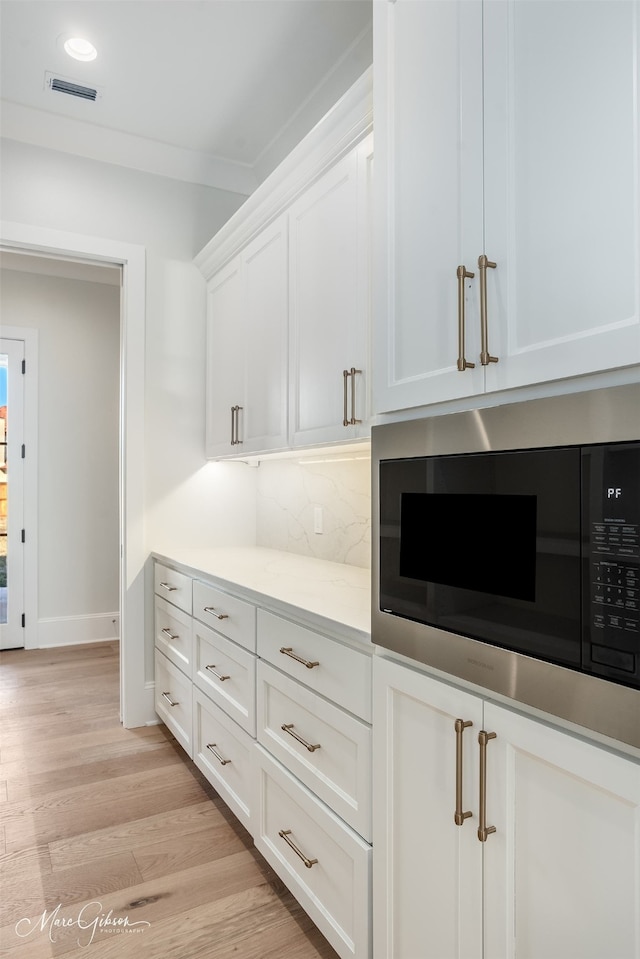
(317, 519)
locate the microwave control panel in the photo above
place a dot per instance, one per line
(613, 590)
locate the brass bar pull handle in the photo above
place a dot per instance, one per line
(288, 651)
(167, 632)
(288, 728)
(213, 611)
(212, 747)
(462, 274)
(284, 834)
(345, 411)
(235, 437)
(212, 669)
(483, 265)
(353, 421)
(168, 698)
(169, 588)
(483, 829)
(460, 816)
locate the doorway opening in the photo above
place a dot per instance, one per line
(136, 683)
(11, 494)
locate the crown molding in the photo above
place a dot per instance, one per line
(93, 142)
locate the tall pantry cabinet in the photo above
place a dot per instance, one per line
(507, 194)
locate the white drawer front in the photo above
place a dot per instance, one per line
(173, 586)
(173, 700)
(333, 886)
(227, 674)
(226, 614)
(224, 753)
(174, 634)
(338, 672)
(335, 758)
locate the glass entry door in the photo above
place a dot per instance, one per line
(11, 494)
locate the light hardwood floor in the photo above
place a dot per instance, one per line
(100, 824)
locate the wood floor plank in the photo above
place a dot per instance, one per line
(25, 784)
(32, 861)
(109, 740)
(57, 823)
(182, 852)
(178, 822)
(68, 886)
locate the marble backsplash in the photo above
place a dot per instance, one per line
(289, 493)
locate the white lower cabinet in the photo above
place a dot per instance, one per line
(173, 700)
(556, 874)
(227, 671)
(223, 752)
(326, 748)
(326, 864)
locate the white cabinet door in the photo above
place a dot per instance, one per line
(562, 870)
(263, 420)
(225, 364)
(247, 338)
(562, 203)
(428, 199)
(329, 301)
(428, 876)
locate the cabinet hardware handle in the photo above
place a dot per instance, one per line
(212, 747)
(168, 698)
(483, 829)
(460, 816)
(354, 421)
(346, 420)
(288, 651)
(167, 632)
(485, 356)
(168, 587)
(462, 274)
(345, 411)
(212, 610)
(212, 669)
(284, 834)
(235, 441)
(288, 728)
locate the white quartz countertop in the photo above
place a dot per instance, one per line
(334, 593)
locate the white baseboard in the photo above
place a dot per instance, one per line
(74, 630)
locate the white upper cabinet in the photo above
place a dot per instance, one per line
(247, 330)
(329, 282)
(507, 130)
(224, 364)
(289, 300)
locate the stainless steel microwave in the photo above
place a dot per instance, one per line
(507, 552)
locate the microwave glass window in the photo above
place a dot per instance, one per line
(439, 541)
(486, 545)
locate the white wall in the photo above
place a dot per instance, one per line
(184, 499)
(78, 326)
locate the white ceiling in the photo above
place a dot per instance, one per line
(212, 91)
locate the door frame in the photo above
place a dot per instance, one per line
(30, 479)
(136, 689)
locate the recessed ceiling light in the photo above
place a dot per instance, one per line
(80, 49)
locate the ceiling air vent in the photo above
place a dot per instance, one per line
(71, 87)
